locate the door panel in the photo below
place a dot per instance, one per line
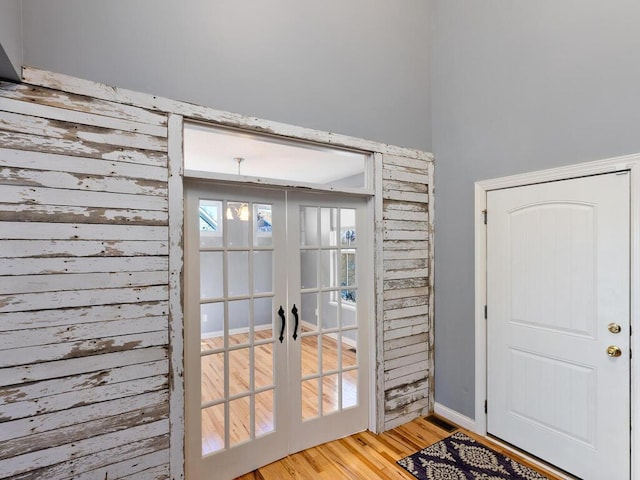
(236, 411)
(557, 275)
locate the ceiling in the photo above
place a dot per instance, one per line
(218, 150)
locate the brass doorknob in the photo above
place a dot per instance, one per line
(614, 328)
(613, 351)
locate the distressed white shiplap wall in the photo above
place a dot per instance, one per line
(91, 382)
(405, 296)
(84, 290)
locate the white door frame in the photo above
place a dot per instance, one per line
(630, 163)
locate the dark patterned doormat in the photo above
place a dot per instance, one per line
(459, 457)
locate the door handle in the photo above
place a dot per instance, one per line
(281, 313)
(614, 351)
(294, 310)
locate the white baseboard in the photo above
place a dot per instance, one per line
(455, 417)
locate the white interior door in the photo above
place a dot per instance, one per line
(275, 313)
(558, 314)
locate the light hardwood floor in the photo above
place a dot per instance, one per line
(364, 456)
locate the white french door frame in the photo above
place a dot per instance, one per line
(629, 163)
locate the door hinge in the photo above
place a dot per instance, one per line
(484, 215)
(485, 407)
(485, 312)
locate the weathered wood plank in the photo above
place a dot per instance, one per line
(68, 400)
(412, 254)
(405, 235)
(405, 283)
(406, 245)
(402, 415)
(409, 360)
(75, 383)
(410, 225)
(79, 315)
(52, 456)
(405, 370)
(80, 103)
(10, 285)
(405, 215)
(74, 466)
(51, 196)
(81, 148)
(13, 212)
(419, 164)
(79, 415)
(71, 132)
(96, 90)
(75, 366)
(152, 466)
(81, 181)
(79, 117)
(69, 265)
(79, 231)
(80, 165)
(406, 350)
(405, 196)
(390, 206)
(390, 185)
(403, 293)
(407, 379)
(397, 401)
(392, 334)
(391, 345)
(81, 348)
(81, 248)
(405, 174)
(123, 420)
(408, 273)
(406, 302)
(83, 298)
(404, 263)
(399, 321)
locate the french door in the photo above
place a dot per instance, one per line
(276, 324)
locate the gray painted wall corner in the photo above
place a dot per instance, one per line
(10, 39)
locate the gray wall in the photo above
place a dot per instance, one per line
(10, 39)
(518, 86)
(357, 67)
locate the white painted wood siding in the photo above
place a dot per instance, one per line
(405, 287)
(84, 287)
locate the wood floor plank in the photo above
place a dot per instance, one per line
(366, 456)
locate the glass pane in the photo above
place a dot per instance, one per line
(264, 413)
(308, 226)
(310, 402)
(238, 276)
(309, 353)
(239, 369)
(309, 312)
(238, 322)
(347, 268)
(210, 223)
(329, 268)
(347, 226)
(329, 353)
(239, 420)
(309, 269)
(329, 310)
(263, 272)
(212, 377)
(211, 322)
(349, 388)
(328, 226)
(349, 341)
(237, 215)
(262, 234)
(263, 366)
(211, 270)
(212, 429)
(348, 312)
(263, 318)
(330, 401)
